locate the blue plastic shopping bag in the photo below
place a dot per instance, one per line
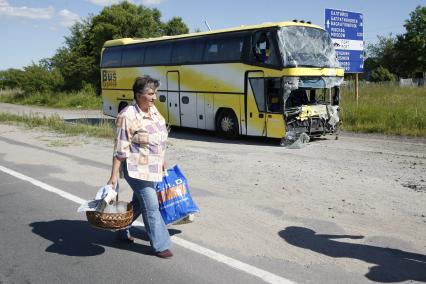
(174, 196)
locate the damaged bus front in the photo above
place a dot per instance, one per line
(311, 87)
(311, 105)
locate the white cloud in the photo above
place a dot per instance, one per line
(26, 12)
(152, 2)
(110, 2)
(105, 2)
(68, 18)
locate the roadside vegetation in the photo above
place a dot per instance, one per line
(84, 99)
(385, 108)
(104, 129)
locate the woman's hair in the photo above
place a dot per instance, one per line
(144, 83)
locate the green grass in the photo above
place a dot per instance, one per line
(387, 109)
(74, 100)
(103, 130)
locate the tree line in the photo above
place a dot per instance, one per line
(75, 66)
(400, 56)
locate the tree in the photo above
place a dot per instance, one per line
(124, 20)
(11, 78)
(38, 79)
(381, 74)
(411, 46)
(76, 68)
(383, 53)
(404, 54)
(76, 61)
(79, 60)
(175, 27)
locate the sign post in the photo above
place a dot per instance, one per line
(346, 32)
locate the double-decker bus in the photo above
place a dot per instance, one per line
(259, 80)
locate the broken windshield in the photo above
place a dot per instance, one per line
(307, 47)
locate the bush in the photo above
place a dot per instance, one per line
(37, 79)
(81, 100)
(381, 74)
(11, 78)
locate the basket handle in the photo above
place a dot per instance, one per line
(116, 188)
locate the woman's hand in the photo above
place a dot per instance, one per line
(114, 172)
(113, 181)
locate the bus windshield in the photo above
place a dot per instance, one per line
(307, 47)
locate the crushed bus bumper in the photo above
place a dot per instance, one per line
(314, 120)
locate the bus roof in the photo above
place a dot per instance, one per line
(124, 41)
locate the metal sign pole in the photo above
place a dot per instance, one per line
(356, 89)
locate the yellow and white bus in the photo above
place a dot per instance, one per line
(260, 80)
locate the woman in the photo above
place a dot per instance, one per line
(139, 150)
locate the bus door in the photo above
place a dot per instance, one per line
(274, 105)
(173, 98)
(188, 109)
(256, 104)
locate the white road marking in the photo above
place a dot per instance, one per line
(43, 185)
(266, 276)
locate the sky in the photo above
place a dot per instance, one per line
(31, 30)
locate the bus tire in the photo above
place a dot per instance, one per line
(121, 106)
(227, 124)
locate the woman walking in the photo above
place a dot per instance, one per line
(139, 155)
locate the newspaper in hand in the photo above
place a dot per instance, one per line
(89, 205)
(105, 195)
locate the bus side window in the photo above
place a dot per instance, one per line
(232, 48)
(258, 88)
(211, 52)
(187, 51)
(111, 57)
(158, 53)
(274, 100)
(132, 55)
(224, 48)
(263, 48)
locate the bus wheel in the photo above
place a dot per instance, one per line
(227, 124)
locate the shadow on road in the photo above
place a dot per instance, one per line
(78, 238)
(212, 136)
(391, 265)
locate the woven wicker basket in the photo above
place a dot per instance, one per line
(111, 221)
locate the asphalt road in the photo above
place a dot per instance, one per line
(44, 240)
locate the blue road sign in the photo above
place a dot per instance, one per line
(346, 32)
